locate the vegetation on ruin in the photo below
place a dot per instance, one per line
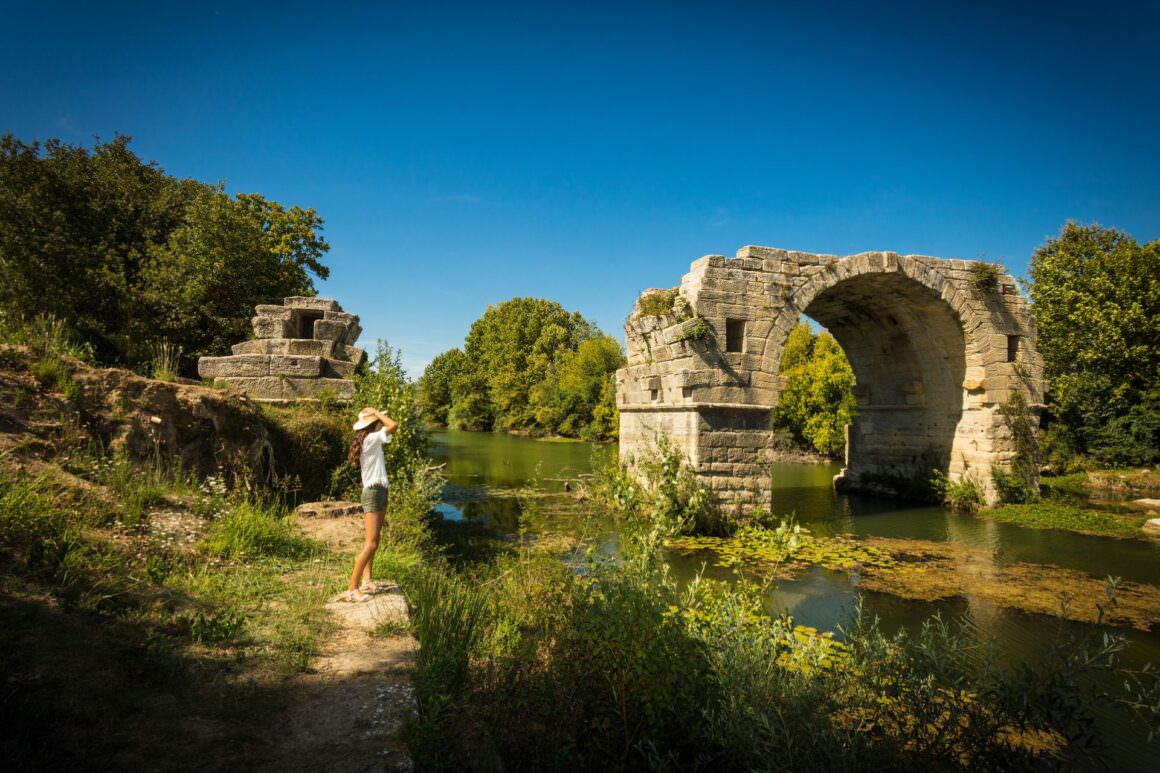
(1096, 297)
(657, 303)
(129, 258)
(528, 365)
(985, 277)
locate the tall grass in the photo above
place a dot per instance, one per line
(252, 529)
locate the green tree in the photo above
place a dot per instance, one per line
(435, 385)
(816, 402)
(565, 402)
(228, 255)
(385, 386)
(128, 256)
(1096, 297)
(528, 364)
(77, 227)
(508, 351)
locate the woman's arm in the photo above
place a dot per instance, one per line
(388, 423)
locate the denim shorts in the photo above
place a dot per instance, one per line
(374, 499)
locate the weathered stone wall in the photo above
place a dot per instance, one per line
(299, 349)
(936, 353)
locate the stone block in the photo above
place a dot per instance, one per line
(332, 368)
(329, 330)
(314, 304)
(271, 327)
(310, 348)
(262, 346)
(260, 388)
(298, 388)
(243, 365)
(269, 310)
(295, 366)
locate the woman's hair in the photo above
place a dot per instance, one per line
(352, 454)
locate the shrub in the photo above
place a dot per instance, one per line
(985, 277)
(661, 489)
(962, 494)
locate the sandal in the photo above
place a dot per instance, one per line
(377, 587)
(355, 597)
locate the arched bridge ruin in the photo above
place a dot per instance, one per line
(938, 347)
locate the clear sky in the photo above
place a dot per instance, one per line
(467, 153)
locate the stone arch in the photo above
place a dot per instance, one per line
(935, 348)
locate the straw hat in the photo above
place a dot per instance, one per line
(366, 417)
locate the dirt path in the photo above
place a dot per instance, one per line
(347, 710)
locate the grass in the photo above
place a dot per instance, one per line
(1050, 515)
(92, 583)
(251, 529)
(1076, 483)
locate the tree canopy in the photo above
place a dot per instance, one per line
(1096, 296)
(129, 256)
(527, 364)
(816, 402)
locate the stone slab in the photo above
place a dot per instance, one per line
(270, 310)
(306, 302)
(244, 365)
(328, 509)
(295, 366)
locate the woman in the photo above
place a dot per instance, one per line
(372, 431)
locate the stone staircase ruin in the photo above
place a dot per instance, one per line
(301, 349)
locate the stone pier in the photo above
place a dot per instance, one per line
(937, 347)
(300, 349)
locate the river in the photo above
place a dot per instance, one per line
(485, 470)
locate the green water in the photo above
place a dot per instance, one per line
(483, 469)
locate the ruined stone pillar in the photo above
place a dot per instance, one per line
(300, 350)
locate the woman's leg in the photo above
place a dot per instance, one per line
(373, 524)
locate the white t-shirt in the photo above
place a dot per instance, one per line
(374, 467)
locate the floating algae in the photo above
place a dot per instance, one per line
(930, 571)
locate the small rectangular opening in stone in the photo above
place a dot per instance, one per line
(304, 320)
(686, 392)
(1012, 348)
(655, 394)
(734, 335)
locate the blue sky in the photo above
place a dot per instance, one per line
(467, 153)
